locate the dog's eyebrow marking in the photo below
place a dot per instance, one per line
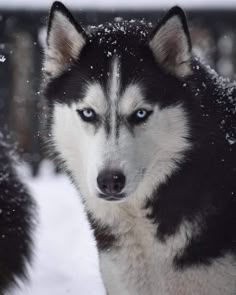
(95, 98)
(131, 99)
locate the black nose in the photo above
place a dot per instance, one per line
(111, 182)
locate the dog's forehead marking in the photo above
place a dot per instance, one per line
(114, 95)
(114, 83)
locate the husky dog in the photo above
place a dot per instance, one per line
(133, 123)
(16, 222)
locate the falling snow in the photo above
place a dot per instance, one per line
(2, 58)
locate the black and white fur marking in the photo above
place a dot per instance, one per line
(17, 219)
(129, 100)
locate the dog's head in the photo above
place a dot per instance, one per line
(119, 101)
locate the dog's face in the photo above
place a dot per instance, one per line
(118, 97)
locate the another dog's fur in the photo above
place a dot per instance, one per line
(17, 218)
(157, 118)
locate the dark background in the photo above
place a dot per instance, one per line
(22, 34)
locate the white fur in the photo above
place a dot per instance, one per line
(95, 99)
(142, 265)
(114, 85)
(132, 100)
(171, 37)
(138, 263)
(62, 30)
(155, 147)
(114, 88)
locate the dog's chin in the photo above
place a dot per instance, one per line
(112, 198)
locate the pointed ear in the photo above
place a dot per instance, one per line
(65, 39)
(171, 44)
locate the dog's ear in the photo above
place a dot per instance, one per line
(65, 39)
(171, 44)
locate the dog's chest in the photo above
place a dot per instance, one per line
(140, 264)
(136, 261)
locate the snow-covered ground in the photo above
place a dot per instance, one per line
(66, 261)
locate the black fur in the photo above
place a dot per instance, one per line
(103, 234)
(16, 222)
(203, 189)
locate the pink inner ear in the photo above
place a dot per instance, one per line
(64, 46)
(171, 48)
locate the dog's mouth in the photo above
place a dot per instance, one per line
(117, 197)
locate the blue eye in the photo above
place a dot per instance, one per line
(87, 115)
(139, 116)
